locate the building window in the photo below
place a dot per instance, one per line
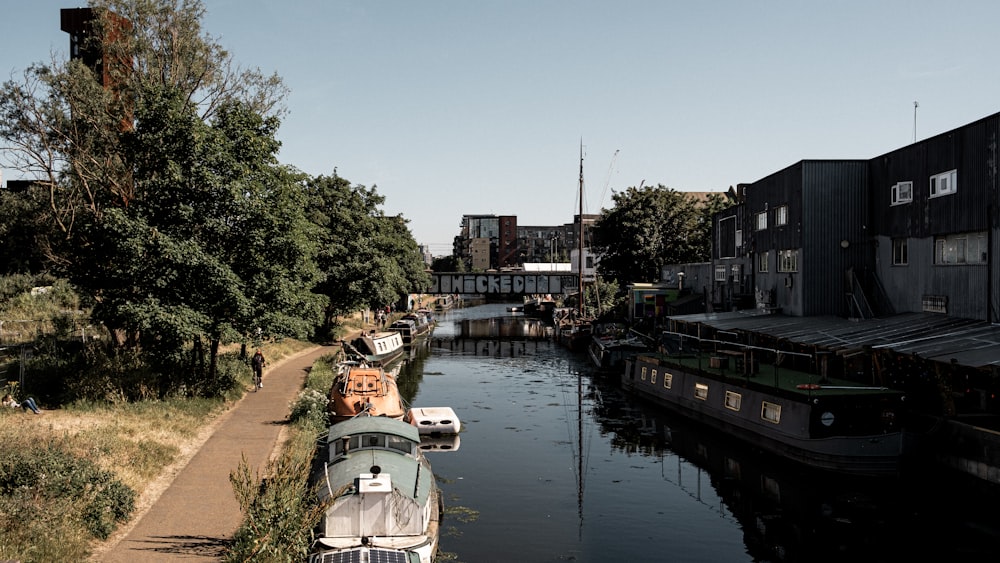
(643, 373)
(720, 273)
(668, 380)
(735, 270)
(945, 183)
(762, 220)
(899, 252)
(781, 215)
(770, 412)
(902, 192)
(733, 400)
(934, 304)
(700, 391)
(652, 377)
(762, 259)
(788, 260)
(962, 248)
(739, 238)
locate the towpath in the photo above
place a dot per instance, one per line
(197, 513)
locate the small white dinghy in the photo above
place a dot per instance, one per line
(435, 420)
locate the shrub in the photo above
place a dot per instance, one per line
(309, 410)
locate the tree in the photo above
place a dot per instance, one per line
(648, 228)
(369, 260)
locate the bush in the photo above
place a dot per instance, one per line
(35, 480)
(309, 410)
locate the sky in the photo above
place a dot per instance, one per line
(456, 107)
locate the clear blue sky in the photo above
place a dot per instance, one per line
(479, 106)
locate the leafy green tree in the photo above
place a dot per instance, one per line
(369, 259)
(650, 227)
(447, 264)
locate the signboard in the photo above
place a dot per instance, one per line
(502, 284)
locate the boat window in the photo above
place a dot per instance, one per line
(644, 373)
(668, 380)
(700, 391)
(770, 412)
(401, 444)
(373, 441)
(733, 400)
(652, 377)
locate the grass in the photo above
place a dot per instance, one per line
(136, 444)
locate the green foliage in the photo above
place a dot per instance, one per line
(649, 228)
(310, 410)
(37, 474)
(281, 511)
(368, 259)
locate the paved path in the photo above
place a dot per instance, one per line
(198, 513)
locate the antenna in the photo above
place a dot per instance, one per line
(915, 106)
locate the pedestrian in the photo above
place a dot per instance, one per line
(258, 362)
(26, 404)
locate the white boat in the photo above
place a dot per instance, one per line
(434, 420)
(384, 504)
(381, 348)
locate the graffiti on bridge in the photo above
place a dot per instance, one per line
(501, 284)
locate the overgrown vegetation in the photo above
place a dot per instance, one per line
(279, 504)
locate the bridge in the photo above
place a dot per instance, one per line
(503, 283)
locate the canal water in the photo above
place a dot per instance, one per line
(557, 463)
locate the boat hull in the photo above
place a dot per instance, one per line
(363, 390)
(380, 347)
(802, 427)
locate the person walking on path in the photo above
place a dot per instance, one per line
(258, 362)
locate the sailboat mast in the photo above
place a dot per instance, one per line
(579, 243)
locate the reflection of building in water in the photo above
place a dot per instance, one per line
(505, 327)
(493, 347)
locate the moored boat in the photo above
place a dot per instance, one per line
(413, 326)
(609, 353)
(360, 389)
(820, 421)
(383, 502)
(379, 347)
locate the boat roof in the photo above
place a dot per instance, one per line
(370, 424)
(931, 336)
(404, 471)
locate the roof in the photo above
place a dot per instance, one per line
(368, 424)
(966, 342)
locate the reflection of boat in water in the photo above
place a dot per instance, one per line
(791, 513)
(384, 504)
(822, 422)
(444, 302)
(360, 389)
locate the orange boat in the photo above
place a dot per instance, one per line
(363, 390)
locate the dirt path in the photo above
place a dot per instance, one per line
(197, 513)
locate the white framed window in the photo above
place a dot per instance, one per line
(902, 192)
(668, 380)
(770, 412)
(733, 400)
(788, 260)
(720, 273)
(735, 270)
(762, 261)
(652, 377)
(739, 238)
(643, 374)
(900, 252)
(961, 248)
(761, 222)
(700, 391)
(945, 183)
(781, 215)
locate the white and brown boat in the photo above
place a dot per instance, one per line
(360, 389)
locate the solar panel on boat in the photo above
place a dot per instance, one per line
(386, 556)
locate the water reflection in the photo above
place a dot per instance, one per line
(559, 464)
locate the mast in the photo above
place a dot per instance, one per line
(579, 242)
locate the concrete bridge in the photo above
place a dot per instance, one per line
(504, 283)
